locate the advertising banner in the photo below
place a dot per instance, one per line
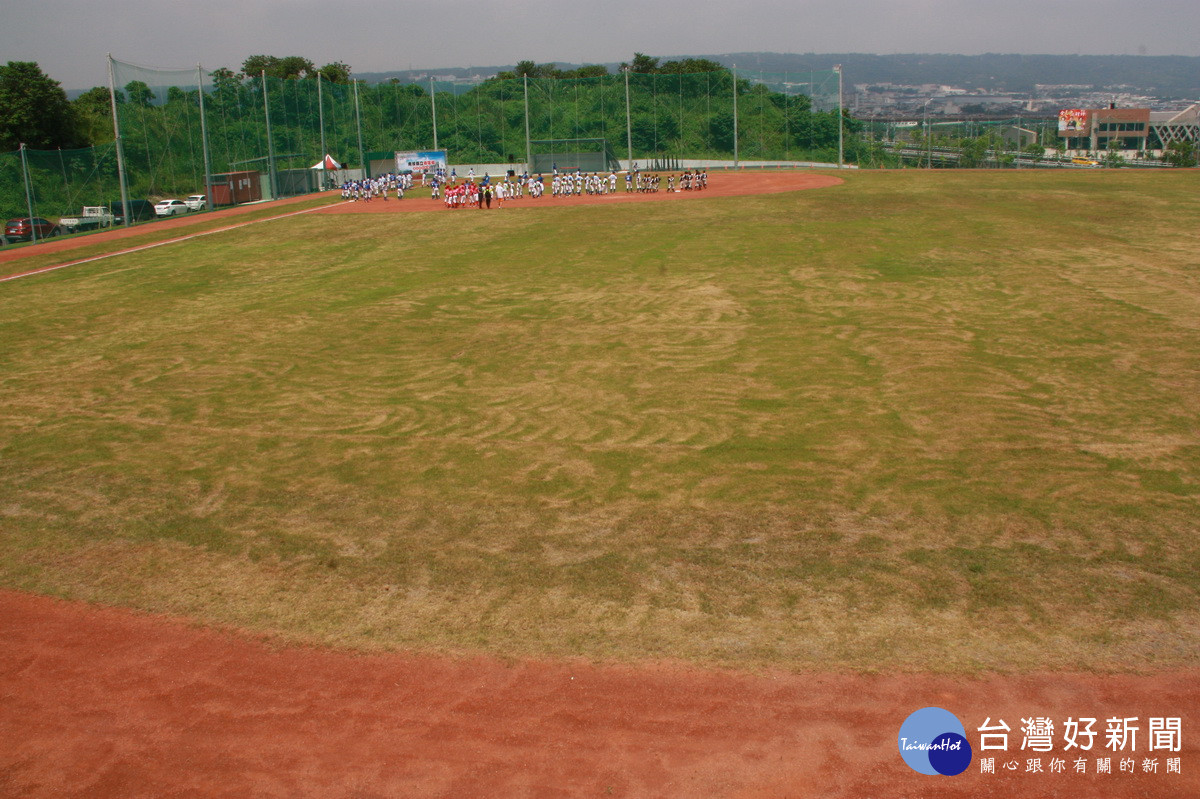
(418, 162)
(1073, 120)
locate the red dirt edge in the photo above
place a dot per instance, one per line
(102, 702)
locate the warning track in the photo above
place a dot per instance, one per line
(99, 702)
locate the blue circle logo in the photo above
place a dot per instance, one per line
(933, 741)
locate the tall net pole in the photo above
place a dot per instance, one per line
(362, 158)
(33, 234)
(735, 119)
(628, 123)
(528, 150)
(270, 146)
(321, 121)
(121, 179)
(433, 109)
(841, 116)
(208, 200)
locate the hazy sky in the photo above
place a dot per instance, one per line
(69, 38)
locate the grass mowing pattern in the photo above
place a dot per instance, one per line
(920, 420)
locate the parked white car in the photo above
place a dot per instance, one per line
(196, 202)
(170, 207)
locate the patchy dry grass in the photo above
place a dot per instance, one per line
(939, 421)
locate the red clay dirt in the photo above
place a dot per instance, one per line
(101, 702)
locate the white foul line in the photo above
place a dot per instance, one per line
(45, 269)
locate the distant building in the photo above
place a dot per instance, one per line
(1099, 129)
(1021, 137)
(1096, 130)
(1173, 126)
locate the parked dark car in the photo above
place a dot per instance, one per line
(139, 211)
(23, 229)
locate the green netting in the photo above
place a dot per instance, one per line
(170, 118)
(60, 182)
(587, 155)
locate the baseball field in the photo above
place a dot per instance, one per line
(907, 428)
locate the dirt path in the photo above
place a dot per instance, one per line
(98, 702)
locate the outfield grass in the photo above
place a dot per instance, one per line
(921, 420)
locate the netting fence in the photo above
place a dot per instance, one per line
(178, 128)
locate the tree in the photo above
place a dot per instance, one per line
(139, 93)
(336, 72)
(1181, 153)
(289, 67)
(642, 63)
(93, 114)
(688, 66)
(34, 109)
(589, 71)
(525, 69)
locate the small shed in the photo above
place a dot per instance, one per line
(232, 188)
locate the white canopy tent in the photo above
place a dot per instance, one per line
(327, 163)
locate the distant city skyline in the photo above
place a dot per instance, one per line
(70, 39)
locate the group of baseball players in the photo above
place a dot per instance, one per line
(480, 194)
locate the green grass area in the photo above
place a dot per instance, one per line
(96, 243)
(920, 420)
